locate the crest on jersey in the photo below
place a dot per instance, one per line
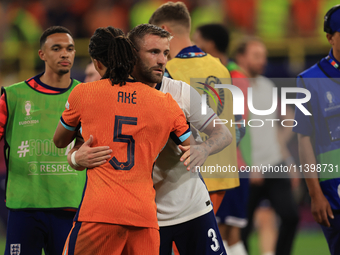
(213, 93)
(28, 107)
(15, 249)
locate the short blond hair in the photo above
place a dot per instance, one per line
(171, 12)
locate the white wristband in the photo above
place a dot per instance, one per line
(73, 159)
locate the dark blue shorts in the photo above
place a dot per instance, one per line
(233, 209)
(332, 234)
(30, 231)
(199, 236)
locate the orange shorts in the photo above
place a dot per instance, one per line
(216, 199)
(89, 238)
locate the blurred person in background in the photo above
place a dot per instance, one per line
(232, 214)
(42, 191)
(319, 136)
(266, 149)
(91, 74)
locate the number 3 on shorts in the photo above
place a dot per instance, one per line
(212, 235)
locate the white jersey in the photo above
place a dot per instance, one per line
(180, 194)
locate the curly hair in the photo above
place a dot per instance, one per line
(115, 51)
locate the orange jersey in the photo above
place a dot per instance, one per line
(135, 120)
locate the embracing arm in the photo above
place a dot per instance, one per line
(86, 156)
(219, 138)
(62, 136)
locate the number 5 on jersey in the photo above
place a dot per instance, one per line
(119, 137)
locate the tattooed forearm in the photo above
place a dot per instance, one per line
(219, 138)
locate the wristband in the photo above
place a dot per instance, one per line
(73, 159)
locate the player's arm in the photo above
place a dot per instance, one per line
(219, 135)
(71, 154)
(320, 206)
(84, 156)
(219, 138)
(69, 123)
(63, 136)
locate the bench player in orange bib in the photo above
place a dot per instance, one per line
(117, 214)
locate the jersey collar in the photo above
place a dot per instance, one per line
(36, 79)
(158, 86)
(333, 58)
(329, 67)
(191, 52)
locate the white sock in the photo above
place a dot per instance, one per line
(269, 253)
(237, 249)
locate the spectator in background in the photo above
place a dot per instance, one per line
(319, 136)
(251, 56)
(214, 39)
(91, 74)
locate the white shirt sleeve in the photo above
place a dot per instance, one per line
(192, 105)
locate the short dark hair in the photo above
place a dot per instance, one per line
(242, 46)
(53, 30)
(115, 51)
(217, 33)
(171, 12)
(137, 34)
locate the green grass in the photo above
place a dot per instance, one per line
(306, 243)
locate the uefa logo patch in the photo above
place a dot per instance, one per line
(15, 249)
(67, 105)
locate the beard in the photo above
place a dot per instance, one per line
(146, 73)
(255, 71)
(63, 71)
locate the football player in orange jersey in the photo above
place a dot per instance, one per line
(195, 218)
(118, 212)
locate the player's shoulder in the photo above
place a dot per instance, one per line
(237, 74)
(178, 89)
(148, 91)
(215, 60)
(263, 82)
(169, 85)
(312, 72)
(92, 86)
(217, 65)
(16, 85)
(75, 82)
